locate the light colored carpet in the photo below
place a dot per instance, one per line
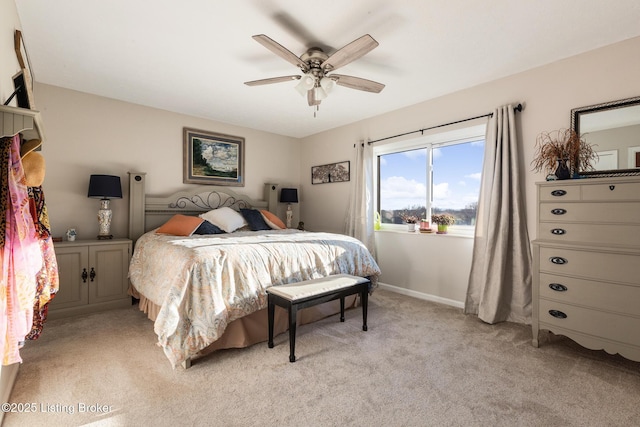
(419, 364)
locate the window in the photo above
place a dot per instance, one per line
(432, 174)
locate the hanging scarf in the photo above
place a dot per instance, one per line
(5, 147)
(47, 279)
(21, 262)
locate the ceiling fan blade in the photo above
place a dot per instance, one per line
(350, 52)
(281, 51)
(357, 83)
(272, 80)
(311, 98)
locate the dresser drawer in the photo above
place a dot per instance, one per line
(596, 233)
(611, 192)
(606, 266)
(624, 299)
(560, 193)
(622, 212)
(613, 326)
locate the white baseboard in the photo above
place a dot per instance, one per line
(421, 295)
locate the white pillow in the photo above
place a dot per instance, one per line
(225, 218)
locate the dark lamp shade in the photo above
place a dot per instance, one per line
(289, 195)
(105, 187)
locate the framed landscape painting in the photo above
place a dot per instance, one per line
(213, 158)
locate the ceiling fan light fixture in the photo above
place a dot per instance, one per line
(307, 82)
(327, 84)
(320, 93)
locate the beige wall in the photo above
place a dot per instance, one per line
(548, 94)
(9, 22)
(619, 139)
(88, 134)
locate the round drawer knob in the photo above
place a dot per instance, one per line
(558, 231)
(558, 193)
(558, 287)
(558, 211)
(558, 314)
(558, 260)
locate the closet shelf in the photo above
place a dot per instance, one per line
(15, 120)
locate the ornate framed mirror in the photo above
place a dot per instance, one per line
(613, 128)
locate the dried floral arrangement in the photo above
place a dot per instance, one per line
(409, 219)
(443, 219)
(563, 144)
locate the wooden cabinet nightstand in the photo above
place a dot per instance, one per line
(93, 276)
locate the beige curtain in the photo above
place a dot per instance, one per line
(500, 280)
(359, 221)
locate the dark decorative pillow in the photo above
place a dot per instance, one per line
(254, 219)
(207, 228)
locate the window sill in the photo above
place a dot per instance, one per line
(417, 233)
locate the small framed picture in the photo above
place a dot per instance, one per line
(23, 80)
(23, 57)
(333, 172)
(213, 158)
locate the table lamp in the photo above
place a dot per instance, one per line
(288, 196)
(104, 187)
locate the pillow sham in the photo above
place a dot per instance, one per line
(272, 220)
(225, 218)
(207, 228)
(254, 219)
(180, 225)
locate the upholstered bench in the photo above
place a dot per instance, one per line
(295, 296)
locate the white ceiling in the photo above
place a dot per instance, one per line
(192, 56)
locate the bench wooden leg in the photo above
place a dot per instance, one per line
(365, 303)
(293, 311)
(292, 305)
(271, 311)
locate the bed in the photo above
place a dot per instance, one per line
(207, 292)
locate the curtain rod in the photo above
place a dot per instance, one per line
(516, 108)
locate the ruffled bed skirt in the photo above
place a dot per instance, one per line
(254, 328)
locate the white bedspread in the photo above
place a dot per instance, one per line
(202, 283)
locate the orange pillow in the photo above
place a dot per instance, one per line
(180, 225)
(272, 220)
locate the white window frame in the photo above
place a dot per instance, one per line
(440, 139)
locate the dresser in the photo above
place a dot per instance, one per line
(93, 276)
(586, 279)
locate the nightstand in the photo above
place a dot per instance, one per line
(93, 276)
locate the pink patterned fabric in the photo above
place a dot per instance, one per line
(47, 287)
(21, 262)
(47, 279)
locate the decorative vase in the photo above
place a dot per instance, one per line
(411, 227)
(442, 228)
(562, 171)
(424, 225)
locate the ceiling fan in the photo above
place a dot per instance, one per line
(315, 64)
